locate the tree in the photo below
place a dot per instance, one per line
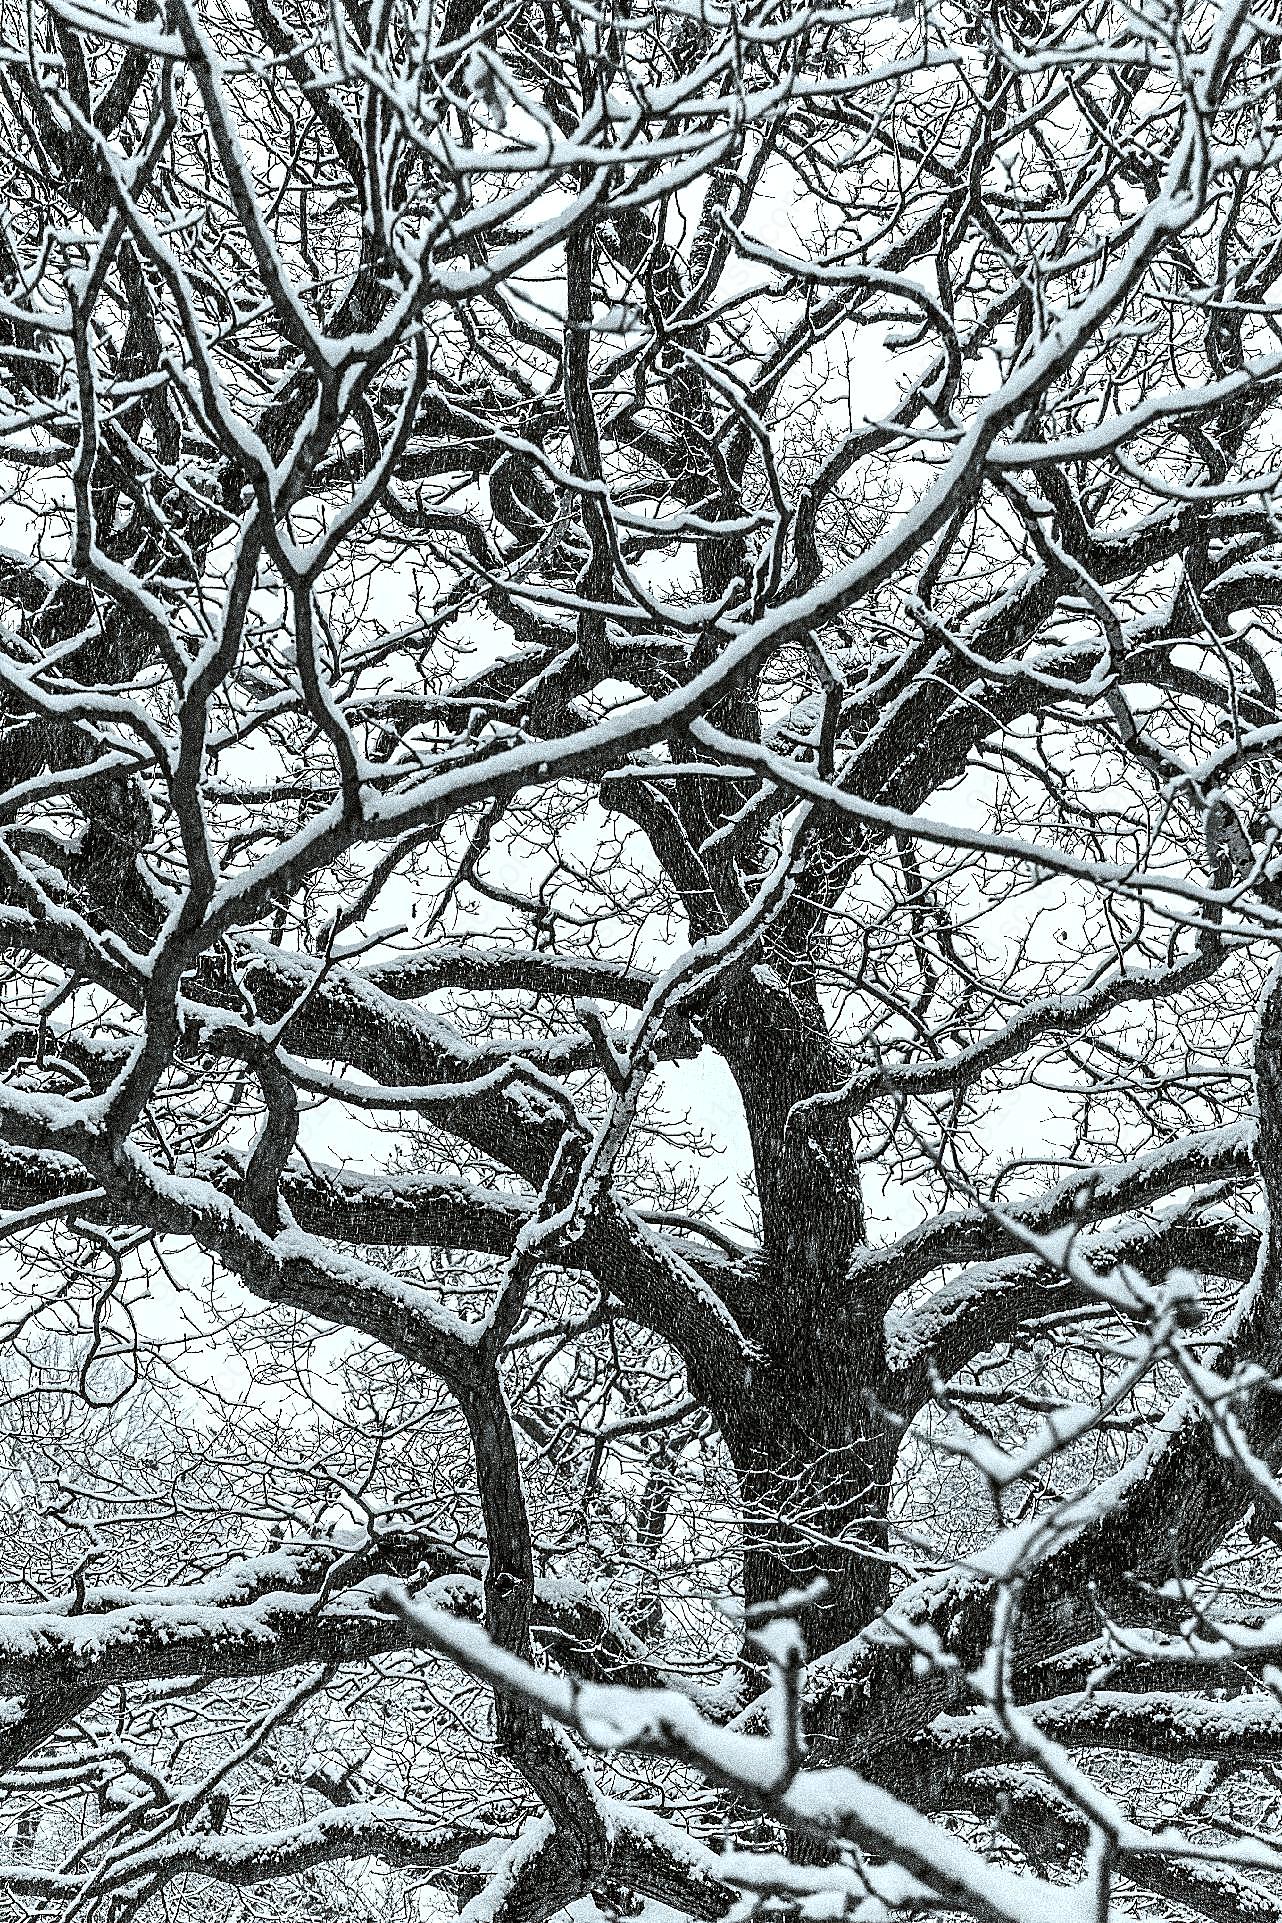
(571, 570)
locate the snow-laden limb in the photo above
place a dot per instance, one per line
(1053, 1014)
(1257, 375)
(273, 1613)
(980, 1235)
(652, 1855)
(1143, 1722)
(147, 1642)
(985, 1305)
(359, 1832)
(502, 970)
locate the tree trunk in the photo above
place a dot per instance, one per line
(811, 1442)
(814, 1452)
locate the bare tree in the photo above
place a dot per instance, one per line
(641, 1081)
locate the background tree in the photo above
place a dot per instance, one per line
(639, 872)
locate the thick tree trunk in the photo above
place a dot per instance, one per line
(814, 1456)
(810, 1440)
(807, 1435)
(776, 1044)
